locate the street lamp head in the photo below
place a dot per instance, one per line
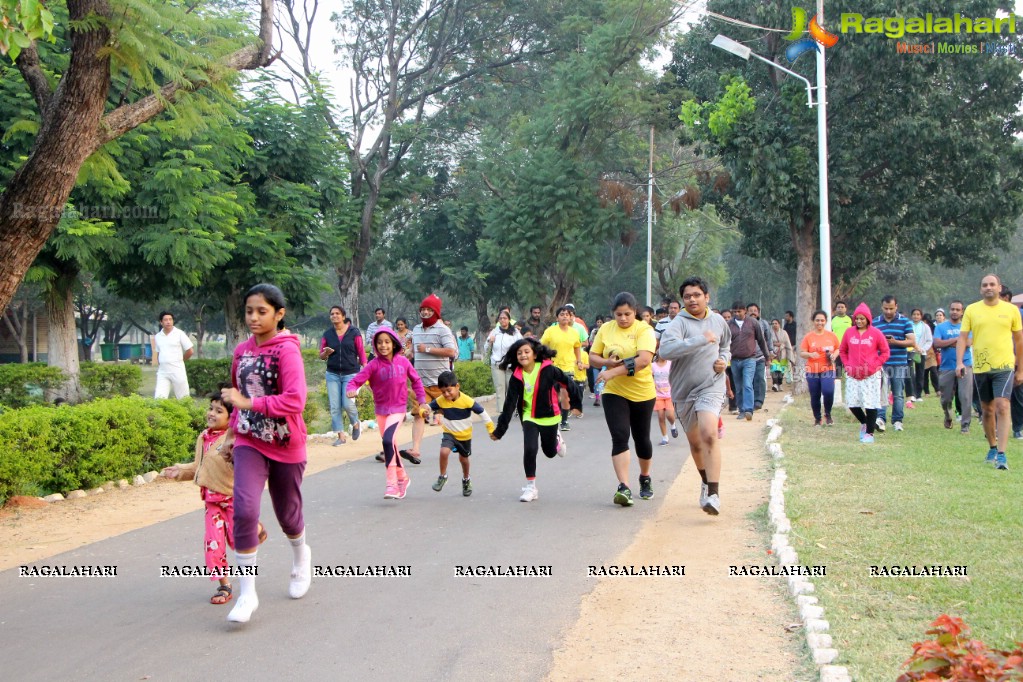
(732, 46)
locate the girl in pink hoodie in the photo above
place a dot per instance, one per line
(266, 439)
(864, 351)
(388, 375)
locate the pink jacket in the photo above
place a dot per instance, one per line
(388, 379)
(863, 352)
(273, 376)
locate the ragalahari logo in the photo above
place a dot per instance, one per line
(818, 36)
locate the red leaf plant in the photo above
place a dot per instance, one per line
(952, 655)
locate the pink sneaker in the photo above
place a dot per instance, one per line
(391, 492)
(721, 429)
(403, 486)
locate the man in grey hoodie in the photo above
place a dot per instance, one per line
(698, 343)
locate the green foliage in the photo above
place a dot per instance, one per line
(717, 119)
(21, 22)
(474, 378)
(82, 446)
(952, 655)
(364, 403)
(25, 384)
(106, 380)
(205, 376)
(315, 369)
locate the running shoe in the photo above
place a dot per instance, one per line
(391, 492)
(740, 416)
(910, 405)
(466, 487)
(664, 441)
(356, 431)
(721, 429)
(868, 439)
(1018, 435)
(646, 489)
(964, 430)
(1001, 463)
(338, 443)
(565, 426)
(863, 431)
(529, 493)
(405, 454)
(623, 496)
(880, 424)
(439, 484)
(562, 446)
(816, 422)
(897, 426)
(749, 416)
(403, 486)
(703, 494)
(674, 431)
(713, 505)
(379, 457)
(578, 414)
(948, 422)
(991, 455)
(596, 401)
(829, 421)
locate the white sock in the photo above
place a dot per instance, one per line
(247, 601)
(301, 568)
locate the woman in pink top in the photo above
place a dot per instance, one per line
(864, 351)
(266, 439)
(388, 375)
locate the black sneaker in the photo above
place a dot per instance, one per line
(646, 490)
(623, 495)
(565, 426)
(380, 457)
(466, 487)
(405, 454)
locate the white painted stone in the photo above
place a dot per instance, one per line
(775, 450)
(803, 600)
(788, 557)
(774, 434)
(811, 612)
(781, 475)
(75, 494)
(55, 497)
(783, 526)
(817, 640)
(804, 587)
(771, 422)
(149, 476)
(816, 625)
(779, 540)
(835, 673)
(122, 484)
(97, 491)
(824, 656)
(138, 480)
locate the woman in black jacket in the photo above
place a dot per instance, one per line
(533, 391)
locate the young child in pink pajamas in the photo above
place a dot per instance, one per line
(213, 472)
(388, 375)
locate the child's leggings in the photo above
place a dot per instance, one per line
(219, 529)
(532, 435)
(388, 425)
(253, 470)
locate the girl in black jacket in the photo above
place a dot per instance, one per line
(533, 391)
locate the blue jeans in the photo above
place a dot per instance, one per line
(897, 377)
(337, 386)
(742, 373)
(760, 383)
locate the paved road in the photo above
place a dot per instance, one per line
(429, 626)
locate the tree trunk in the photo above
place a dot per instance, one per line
(483, 324)
(348, 290)
(805, 240)
(62, 343)
(235, 330)
(18, 328)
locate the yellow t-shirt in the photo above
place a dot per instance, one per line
(992, 327)
(626, 343)
(565, 342)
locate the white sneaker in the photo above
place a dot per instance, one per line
(880, 424)
(243, 608)
(664, 441)
(703, 495)
(301, 575)
(562, 447)
(529, 493)
(898, 426)
(713, 505)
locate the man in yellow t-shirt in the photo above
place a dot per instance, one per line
(997, 361)
(564, 339)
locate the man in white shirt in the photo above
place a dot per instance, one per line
(171, 347)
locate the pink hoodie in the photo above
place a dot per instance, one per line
(273, 376)
(863, 352)
(388, 378)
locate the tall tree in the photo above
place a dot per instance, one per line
(922, 157)
(162, 50)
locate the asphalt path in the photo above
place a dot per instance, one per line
(427, 626)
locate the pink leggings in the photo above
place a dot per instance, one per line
(388, 425)
(219, 529)
(253, 470)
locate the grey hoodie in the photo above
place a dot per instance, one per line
(692, 358)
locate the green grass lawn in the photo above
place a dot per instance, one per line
(920, 497)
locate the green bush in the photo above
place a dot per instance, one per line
(107, 380)
(25, 384)
(314, 369)
(205, 376)
(364, 403)
(474, 378)
(82, 446)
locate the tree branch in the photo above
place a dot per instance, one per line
(32, 71)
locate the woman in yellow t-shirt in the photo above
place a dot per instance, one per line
(624, 348)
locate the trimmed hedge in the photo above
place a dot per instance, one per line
(474, 378)
(205, 376)
(104, 380)
(46, 449)
(24, 384)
